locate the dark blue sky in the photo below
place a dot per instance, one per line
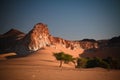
(69, 19)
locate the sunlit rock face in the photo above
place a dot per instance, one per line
(66, 43)
(89, 45)
(36, 39)
(39, 37)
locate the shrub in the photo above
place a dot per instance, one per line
(104, 64)
(91, 63)
(81, 62)
(114, 63)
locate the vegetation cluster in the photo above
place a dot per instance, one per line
(108, 63)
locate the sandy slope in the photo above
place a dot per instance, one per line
(34, 69)
(43, 66)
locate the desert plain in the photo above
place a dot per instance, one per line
(43, 66)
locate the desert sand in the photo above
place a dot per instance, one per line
(43, 66)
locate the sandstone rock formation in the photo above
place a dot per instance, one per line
(89, 45)
(39, 37)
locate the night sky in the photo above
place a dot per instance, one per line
(69, 19)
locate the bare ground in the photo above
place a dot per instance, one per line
(34, 69)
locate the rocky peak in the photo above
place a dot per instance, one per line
(40, 28)
(38, 37)
(9, 39)
(13, 32)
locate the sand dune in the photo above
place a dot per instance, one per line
(43, 66)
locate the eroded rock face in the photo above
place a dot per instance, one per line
(66, 43)
(88, 45)
(40, 37)
(36, 39)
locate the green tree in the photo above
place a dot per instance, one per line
(62, 57)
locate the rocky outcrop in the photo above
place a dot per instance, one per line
(106, 48)
(9, 39)
(89, 44)
(66, 43)
(39, 37)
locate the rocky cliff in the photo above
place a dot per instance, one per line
(89, 45)
(39, 37)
